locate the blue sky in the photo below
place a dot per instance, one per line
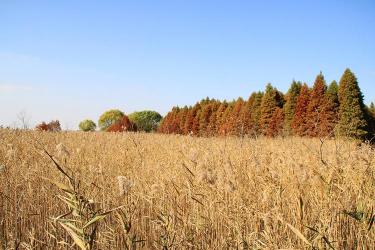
(71, 60)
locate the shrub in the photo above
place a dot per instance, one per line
(87, 125)
(122, 125)
(52, 126)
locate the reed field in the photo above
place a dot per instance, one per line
(153, 191)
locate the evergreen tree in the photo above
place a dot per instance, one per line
(270, 101)
(332, 107)
(290, 106)
(317, 108)
(352, 118)
(299, 125)
(255, 103)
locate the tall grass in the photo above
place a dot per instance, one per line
(180, 192)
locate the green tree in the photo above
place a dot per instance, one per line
(352, 117)
(87, 125)
(332, 106)
(109, 117)
(146, 120)
(255, 103)
(290, 106)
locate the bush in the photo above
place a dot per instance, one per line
(52, 126)
(87, 125)
(122, 125)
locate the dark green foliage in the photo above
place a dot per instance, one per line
(332, 106)
(370, 114)
(352, 117)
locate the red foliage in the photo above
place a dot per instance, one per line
(122, 125)
(299, 125)
(276, 124)
(316, 113)
(53, 126)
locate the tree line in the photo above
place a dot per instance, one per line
(113, 120)
(321, 111)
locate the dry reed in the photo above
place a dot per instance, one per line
(190, 193)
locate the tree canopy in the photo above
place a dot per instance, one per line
(319, 111)
(147, 120)
(87, 125)
(109, 117)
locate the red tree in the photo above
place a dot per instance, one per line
(319, 115)
(299, 125)
(123, 125)
(271, 100)
(276, 124)
(52, 126)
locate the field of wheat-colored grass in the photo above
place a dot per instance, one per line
(178, 192)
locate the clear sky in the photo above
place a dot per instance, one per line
(74, 59)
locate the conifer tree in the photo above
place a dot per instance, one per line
(225, 120)
(190, 125)
(245, 117)
(299, 125)
(290, 106)
(236, 126)
(316, 109)
(277, 121)
(219, 117)
(270, 101)
(332, 107)
(255, 103)
(370, 118)
(204, 119)
(183, 116)
(352, 118)
(173, 126)
(211, 129)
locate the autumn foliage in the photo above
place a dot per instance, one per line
(302, 111)
(123, 125)
(52, 126)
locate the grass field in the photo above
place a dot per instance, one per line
(178, 192)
